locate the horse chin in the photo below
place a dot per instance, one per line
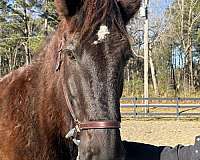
(99, 157)
(100, 145)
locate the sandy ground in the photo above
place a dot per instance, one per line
(160, 132)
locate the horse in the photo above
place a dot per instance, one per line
(71, 91)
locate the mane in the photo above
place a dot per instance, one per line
(95, 12)
(92, 14)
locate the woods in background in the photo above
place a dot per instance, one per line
(174, 53)
(23, 26)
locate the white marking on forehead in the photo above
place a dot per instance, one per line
(103, 31)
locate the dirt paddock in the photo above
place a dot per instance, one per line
(160, 132)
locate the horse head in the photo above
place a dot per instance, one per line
(95, 48)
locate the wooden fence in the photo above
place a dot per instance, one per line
(160, 107)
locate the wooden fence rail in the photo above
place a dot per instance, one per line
(162, 107)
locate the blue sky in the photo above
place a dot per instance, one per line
(159, 6)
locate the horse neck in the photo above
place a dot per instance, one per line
(51, 80)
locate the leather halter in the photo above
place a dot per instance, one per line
(79, 126)
(101, 124)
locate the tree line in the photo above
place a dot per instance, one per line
(24, 24)
(174, 44)
(174, 51)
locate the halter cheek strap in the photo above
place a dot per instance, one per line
(101, 124)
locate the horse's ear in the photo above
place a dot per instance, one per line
(67, 8)
(128, 8)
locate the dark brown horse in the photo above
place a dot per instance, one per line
(77, 80)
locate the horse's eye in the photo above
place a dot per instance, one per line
(70, 54)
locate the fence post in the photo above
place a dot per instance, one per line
(135, 106)
(177, 108)
(146, 100)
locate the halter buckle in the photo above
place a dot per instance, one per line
(77, 126)
(73, 133)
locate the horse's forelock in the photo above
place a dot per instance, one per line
(92, 14)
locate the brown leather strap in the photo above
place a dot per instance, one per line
(106, 124)
(103, 124)
(68, 102)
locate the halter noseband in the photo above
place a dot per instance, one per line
(80, 126)
(101, 124)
